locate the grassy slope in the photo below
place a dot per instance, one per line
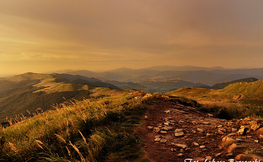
(241, 98)
(31, 91)
(249, 91)
(225, 84)
(89, 130)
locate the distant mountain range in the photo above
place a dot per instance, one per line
(190, 76)
(30, 91)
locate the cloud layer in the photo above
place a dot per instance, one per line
(101, 35)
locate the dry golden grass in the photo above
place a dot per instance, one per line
(77, 130)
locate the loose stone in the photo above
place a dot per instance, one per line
(167, 111)
(209, 158)
(167, 123)
(208, 134)
(157, 139)
(163, 132)
(200, 130)
(178, 130)
(234, 129)
(163, 140)
(150, 127)
(165, 128)
(206, 123)
(180, 122)
(156, 129)
(179, 134)
(183, 146)
(173, 149)
(180, 155)
(202, 146)
(227, 140)
(172, 121)
(196, 144)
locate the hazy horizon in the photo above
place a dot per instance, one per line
(100, 71)
(42, 36)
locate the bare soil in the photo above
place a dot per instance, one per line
(189, 119)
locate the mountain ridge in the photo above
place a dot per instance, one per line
(208, 76)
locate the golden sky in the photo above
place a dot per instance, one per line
(50, 35)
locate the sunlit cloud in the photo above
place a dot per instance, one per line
(134, 33)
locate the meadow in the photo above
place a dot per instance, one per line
(96, 129)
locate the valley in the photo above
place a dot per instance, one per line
(69, 117)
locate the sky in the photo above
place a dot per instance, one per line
(48, 35)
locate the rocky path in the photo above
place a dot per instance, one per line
(173, 132)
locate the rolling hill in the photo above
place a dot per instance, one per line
(245, 92)
(21, 94)
(225, 84)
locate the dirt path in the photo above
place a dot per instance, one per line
(199, 135)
